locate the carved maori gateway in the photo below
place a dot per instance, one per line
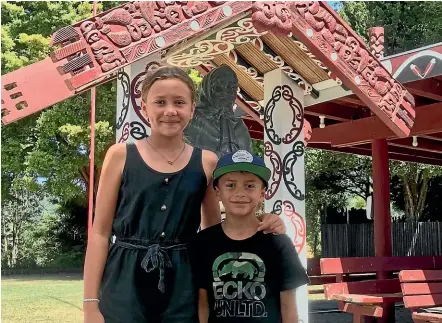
(90, 52)
(344, 53)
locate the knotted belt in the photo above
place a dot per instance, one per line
(156, 256)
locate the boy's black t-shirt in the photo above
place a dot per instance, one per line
(244, 278)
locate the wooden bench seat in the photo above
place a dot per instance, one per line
(422, 290)
(370, 297)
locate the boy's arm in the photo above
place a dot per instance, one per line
(289, 312)
(203, 306)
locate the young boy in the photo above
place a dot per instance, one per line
(244, 275)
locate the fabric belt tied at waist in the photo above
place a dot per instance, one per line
(155, 258)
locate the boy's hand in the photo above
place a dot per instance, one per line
(271, 223)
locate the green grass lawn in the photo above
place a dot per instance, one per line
(50, 299)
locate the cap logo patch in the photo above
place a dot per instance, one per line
(242, 156)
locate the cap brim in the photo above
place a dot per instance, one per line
(262, 172)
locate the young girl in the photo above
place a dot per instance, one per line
(153, 195)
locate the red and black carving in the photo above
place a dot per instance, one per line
(124, 80)
(124, 133)
(90, 52)
(276, 162)
(299, 235)
(135, 96)
(135, 90)
(286, 93)
(288, 170)
(298, 223)
(331, 40)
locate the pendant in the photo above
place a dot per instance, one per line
(170, 162)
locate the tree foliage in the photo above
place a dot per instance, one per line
(408, 24)
(21, 209)
(55, 144)
(415, 180)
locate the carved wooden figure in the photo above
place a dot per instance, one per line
(214, 126)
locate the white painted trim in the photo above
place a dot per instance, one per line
(325, 85)
(411, 51)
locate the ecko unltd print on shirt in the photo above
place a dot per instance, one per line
(238, 285)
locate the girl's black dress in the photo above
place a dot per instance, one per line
(147, 277)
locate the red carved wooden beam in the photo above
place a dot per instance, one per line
(428, 120)
(91, 51)
(392, 154)
(332, 41)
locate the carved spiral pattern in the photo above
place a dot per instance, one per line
(276, 176)
(277, 207)
(203, 51)
(225, 41)
(298, 223)
(138, 130)
(288, 170)
(286, 93)
(245, 32)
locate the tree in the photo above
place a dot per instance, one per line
(17, 212)
(408, 24)
(55, 144)
(340, 173)
(415, 179)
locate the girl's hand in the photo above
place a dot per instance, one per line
(271, 223)
(93, 316)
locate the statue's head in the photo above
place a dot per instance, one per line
(168, 96)
(218, 89)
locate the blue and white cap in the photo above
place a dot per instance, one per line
(241, 161)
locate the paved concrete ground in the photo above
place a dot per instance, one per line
(322, 311)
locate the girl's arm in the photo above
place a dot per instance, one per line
(289, 312)
(98, 241)
(210, 211)
(203, 306)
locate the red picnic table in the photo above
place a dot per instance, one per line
(372, 305)
(371, 298)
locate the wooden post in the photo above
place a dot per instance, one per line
(381, 174)
(381, 185)
(381, 198)
(90, 213)
(284, 154)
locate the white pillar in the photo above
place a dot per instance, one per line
(130, 123)
(284, 154)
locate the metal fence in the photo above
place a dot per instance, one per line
(357, 240)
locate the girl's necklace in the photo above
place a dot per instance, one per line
(170, 162)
